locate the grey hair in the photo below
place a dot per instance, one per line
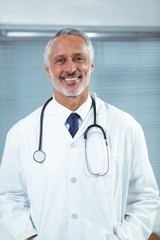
(68, 31)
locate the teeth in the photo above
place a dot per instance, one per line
(71, 79)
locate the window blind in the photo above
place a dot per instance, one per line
(126, 74)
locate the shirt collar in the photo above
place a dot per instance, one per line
(84, 108)
(63, 112)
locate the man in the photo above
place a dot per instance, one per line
(83, 186)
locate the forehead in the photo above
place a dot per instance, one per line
(68, 44)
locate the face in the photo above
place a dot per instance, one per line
(69, 66)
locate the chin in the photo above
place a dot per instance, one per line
(69, 94)
(73, 93)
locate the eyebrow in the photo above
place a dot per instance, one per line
(74, 54)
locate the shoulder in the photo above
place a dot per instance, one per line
(115, 116)
(26, 124)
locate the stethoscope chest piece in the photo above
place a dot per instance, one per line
(39, 156)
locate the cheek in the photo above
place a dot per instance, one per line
(88, 70)
(55, 72)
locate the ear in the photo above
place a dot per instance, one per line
(92, 67)
(47, 70)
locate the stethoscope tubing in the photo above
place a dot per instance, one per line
(41, 123)
(39, 155)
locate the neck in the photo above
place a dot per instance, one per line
(72, 103)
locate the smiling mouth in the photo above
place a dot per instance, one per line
(72, 80)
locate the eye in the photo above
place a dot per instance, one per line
(59, 60)
(79, 59)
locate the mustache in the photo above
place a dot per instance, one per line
(70, 74)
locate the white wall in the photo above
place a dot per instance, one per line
(81, 12)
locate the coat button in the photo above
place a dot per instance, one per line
(73, 145)
(73, 180)
(74, 216)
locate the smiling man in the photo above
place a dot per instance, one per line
(70, 63)
(90, 178)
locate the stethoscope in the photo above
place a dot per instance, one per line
(39, 155)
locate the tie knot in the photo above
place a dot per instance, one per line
(73, 119)
(73, 123)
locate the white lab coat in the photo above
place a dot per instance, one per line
(60, 199)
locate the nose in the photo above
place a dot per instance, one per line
(70, 66)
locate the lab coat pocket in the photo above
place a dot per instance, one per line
(96, 155)
(106, 183)
(111, 237)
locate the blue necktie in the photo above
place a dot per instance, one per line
(73, 123)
